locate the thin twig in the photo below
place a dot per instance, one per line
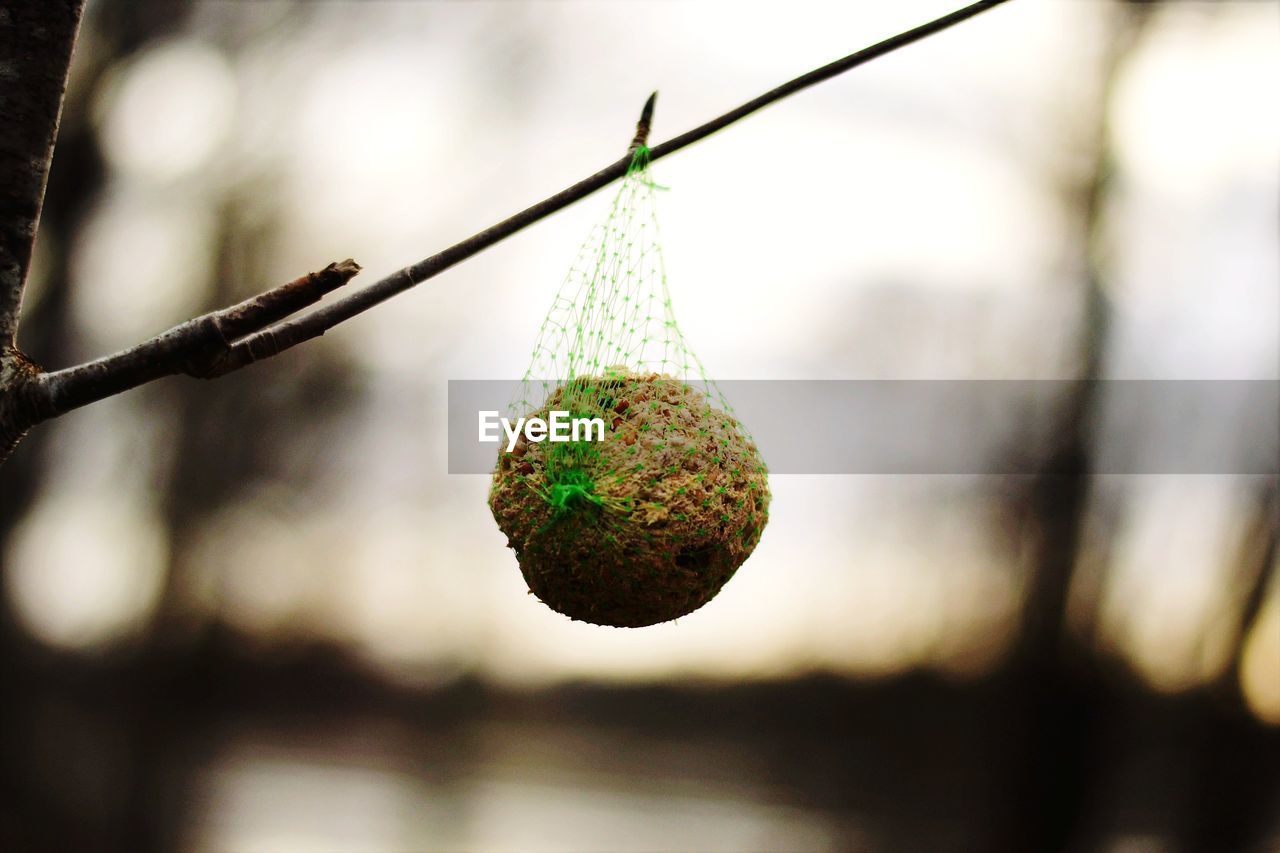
(826, 72)
(207, 346)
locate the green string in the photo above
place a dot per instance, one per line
(639, 168)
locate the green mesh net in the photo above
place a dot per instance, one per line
(659, 494)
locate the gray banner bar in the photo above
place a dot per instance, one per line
(971, 427)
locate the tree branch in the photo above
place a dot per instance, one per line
(198, 347)
(279, 338)
(226, 340)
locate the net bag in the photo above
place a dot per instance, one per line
(644, 520)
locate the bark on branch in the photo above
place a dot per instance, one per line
(226, 340)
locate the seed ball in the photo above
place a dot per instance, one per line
(644, 526)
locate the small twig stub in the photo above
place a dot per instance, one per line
(641, 139)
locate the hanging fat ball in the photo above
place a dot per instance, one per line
(645, 526)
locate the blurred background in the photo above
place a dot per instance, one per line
(257, 615)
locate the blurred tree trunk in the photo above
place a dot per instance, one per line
(1056, 752)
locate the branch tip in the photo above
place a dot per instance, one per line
(348, 268)
(333, 276)
(642, 126)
